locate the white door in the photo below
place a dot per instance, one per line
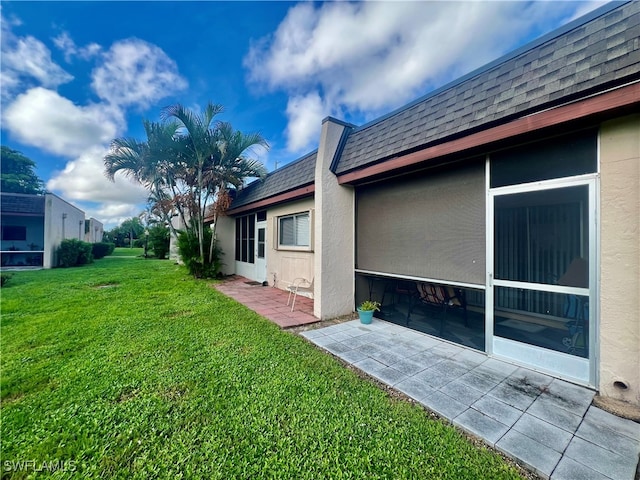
(261, 252)
(541, 300)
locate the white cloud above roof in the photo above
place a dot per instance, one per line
(83, 179)
(132, 74)
(45, 119)
(136, 73)
(367, 58)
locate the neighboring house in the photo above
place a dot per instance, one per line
(93, 230)
(515, 188)
(33, 226)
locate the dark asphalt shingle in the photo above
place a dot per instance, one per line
(294, 175)
(13, 203)
(599, 54)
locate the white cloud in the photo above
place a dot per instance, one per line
(113, 214)
(27, 61)
(65, 43)
(136, 73)
(131, 74)
(44, 119)
(83, 179)
(370, 57)
(305, 116)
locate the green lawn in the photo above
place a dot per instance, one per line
(128, 368)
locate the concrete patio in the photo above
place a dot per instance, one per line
(548, 425)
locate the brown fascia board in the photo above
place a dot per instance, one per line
(623, 97)
(295, 194)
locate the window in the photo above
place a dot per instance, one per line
(566, 156)
(294, 230)
(245, 238)
(261, 242)
(14, 232)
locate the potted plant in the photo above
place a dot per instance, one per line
(366, 309)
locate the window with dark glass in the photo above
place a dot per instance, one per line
(566, 156)
(245, 238)
(14, 232)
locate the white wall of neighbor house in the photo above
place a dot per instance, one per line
(61, 221)
(334, 231)
(620, 259)
(285, 264)
(94, 231)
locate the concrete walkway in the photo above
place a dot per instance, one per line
(546, 424)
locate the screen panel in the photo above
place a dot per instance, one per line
(429, 226)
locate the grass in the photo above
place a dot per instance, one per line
(128, 368)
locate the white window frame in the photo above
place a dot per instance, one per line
(304, 248)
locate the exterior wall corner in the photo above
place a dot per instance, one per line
(619, 329)
(334, 231)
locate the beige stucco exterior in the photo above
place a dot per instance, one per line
(334, 231)
(285, 265)
(225, 238)
(620, 259)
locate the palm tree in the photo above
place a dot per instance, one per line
(187, 162)
(216, 156)
(154, 163)
(233, 166)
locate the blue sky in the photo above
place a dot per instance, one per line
(75, 75)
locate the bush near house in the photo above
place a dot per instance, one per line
(102, 249)
(189, 248)
(4, 278)
(159, 241)
(73, 253)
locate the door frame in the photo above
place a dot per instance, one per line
(563, 365)
(261, 262)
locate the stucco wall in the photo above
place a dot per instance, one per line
(285, 265)
(620, 258)
(225, 235)
(62, 221)
(335, 231)
(94, 231)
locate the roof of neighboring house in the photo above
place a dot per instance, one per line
(289, 177)
(591, 54)
(18, 203)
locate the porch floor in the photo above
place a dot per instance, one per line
(269, 302)
(548, 425)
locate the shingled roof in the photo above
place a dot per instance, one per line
(21, 204)
(592, 54)
(294, 175)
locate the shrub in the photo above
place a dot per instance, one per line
(190, 253)
(102, 249)
(159, 241)
(4, 278)
(72, 253)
